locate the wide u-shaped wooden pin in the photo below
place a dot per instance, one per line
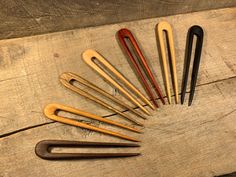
(44, 147)
(51, 109)
(89, 56)
(161, 28)
(67, 78)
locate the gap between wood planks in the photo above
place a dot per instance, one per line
(110, 115)
(233, 174)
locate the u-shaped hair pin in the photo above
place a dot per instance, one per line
(67, 78)
(142, 71)
(88, 57)
(51, 109)
(43, 149)
(198, 32)
(161, 28)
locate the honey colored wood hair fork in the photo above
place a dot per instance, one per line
(161, 28)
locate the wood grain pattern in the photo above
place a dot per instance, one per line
(178, 140)
(24, 18)
(67, 78)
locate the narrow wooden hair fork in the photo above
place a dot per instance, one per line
(198, 32)
(161, 28)
(51, 112)
(89, 57)
(141, 65)
(67, 80)
(44, 147)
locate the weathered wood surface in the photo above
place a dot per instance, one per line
(178, 140)
(24, 18)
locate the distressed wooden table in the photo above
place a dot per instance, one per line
(178, 140)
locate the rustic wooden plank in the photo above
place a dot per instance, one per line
(30, 67)
(178, 141)
(16, 21)
(24, 18)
